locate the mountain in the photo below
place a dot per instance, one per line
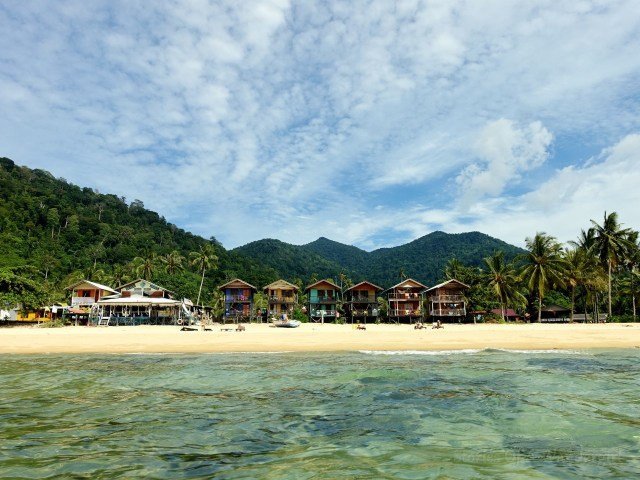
(423, 259)
(63, 232)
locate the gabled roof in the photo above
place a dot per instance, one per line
(237, 280)
(99, 286)
(151, 284)
(280, 284)
(405, 281)
(509, 312)
(555, 308)
(453, 280)
(322, 281)
(364, 283)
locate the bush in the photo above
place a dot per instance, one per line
(621, 319)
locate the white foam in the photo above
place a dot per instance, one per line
(467, 351)
(562, 352)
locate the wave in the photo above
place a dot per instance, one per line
(467, 351)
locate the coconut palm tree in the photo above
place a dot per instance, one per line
(454, 269)
(145, 266)
(611, 242)
(172, 262)
(503, 281)
(204, 259)
(579, 267)
(544, 266)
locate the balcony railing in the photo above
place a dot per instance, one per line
(323, 299)
(447, 298)
(325, 313)
(362, 299)
(237, 298)
(82, 301)
(404, 313)
(448, 312)
(277, 299)
(404, 296)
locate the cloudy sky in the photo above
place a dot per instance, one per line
(371, 123)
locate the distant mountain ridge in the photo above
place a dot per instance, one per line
(423, 258)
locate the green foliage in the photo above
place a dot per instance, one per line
(18, 289)
(65, 233)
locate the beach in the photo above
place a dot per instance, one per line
(316, 338)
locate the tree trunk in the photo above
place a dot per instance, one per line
(200, 290)
(609, 267)
(539, 308)
(573, 302)
(502, 311)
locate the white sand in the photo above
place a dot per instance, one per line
(314, 337)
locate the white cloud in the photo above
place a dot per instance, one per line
(281, 111)
(506, 151)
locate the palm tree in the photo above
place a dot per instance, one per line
(145, 266)
(119, 275)
(503, 281)
(454, 269)
(544, 266)
(172, 262)
(204, 259)
(579, 263)
(611, 242)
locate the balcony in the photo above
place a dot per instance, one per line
(447, 299)
(277, 299)
(404, 296)
(323, 299)
(404, 313)
(448, 312)
(325, 313)
(82, 301)
(237, 298)
(363, 299)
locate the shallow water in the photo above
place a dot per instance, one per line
(474, 414)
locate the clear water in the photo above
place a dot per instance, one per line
(487, 414)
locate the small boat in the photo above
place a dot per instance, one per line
(288, 323)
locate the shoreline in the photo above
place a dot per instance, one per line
(262, 338)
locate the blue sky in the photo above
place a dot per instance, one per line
(371, 123)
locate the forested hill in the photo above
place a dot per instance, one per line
(59, 232)
(423, 259)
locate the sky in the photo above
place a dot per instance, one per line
(370, 123)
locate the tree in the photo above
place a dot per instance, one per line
(454, 269)
(145, 266)
(575, 275)
(544, 266)
(172, 262)
(204, 259)
(610, 243)
(17, 289)
(503, 281)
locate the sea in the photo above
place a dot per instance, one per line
(476, 414)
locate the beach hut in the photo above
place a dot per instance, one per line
(509, 313)
(447, 300)
(85, 293)
(238, 299)
(281, 297)
(405, 299)
(323, 300)
(555, 313)
(360, 301)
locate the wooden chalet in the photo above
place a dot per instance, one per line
(360, 301)
(85, 293)
(405, 300)
(282, 296)
(447, 300)
(323, 300)
(144, 288)
(238, 299)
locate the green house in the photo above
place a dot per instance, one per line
(323, 300)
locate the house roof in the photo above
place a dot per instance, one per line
(151, 284)
(406, 283)
(237, 280)
(555, 308)
(280, 284)
(453, 280)
(364, 283)
(94, 284)
(322, 281)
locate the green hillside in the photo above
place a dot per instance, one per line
(423, 259)
(61, 232)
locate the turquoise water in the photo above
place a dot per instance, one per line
(487, 414)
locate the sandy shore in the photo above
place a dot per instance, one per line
(318, 338)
